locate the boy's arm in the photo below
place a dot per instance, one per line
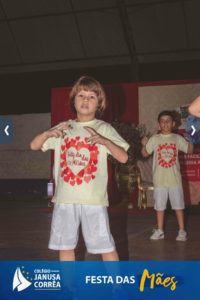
(116, 151)
(38, 141)
(190, 149)
(144, 152)
(184, 145)
(194, 107)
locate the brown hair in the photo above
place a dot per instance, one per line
(168, 113)
(88, 83)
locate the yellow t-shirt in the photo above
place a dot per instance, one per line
(80, 167)
(166, 168)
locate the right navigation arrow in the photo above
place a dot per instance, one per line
(193, 130)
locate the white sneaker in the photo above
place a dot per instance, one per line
(182, 236)
(158, 234)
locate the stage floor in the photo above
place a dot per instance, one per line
(25, 226)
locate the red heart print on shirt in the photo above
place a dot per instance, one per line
(78, 161)
(167, 155)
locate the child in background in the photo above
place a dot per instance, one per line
(81, 147)
(166, 172)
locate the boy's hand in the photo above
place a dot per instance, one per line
(57, 131)
(144, 141)
(95, 137)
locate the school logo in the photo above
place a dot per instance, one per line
(20, 280)
(39, 279)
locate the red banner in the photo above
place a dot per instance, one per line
(190, 166)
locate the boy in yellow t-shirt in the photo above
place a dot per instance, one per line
(81, 147)
(166, 172)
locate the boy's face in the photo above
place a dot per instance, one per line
(86, 104)
(166, 124)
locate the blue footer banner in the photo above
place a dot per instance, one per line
(54, 280)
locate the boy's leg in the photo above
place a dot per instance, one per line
(96, 232)
(160, 219)
(66, 255)
(110, 256)
(182, 234)
(177, 203)
(160, 198)
(64, 230)
(158, 234)
(180, 218)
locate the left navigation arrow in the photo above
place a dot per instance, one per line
(6, 130)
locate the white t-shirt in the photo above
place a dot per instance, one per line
(166, 168)
(81, 168)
